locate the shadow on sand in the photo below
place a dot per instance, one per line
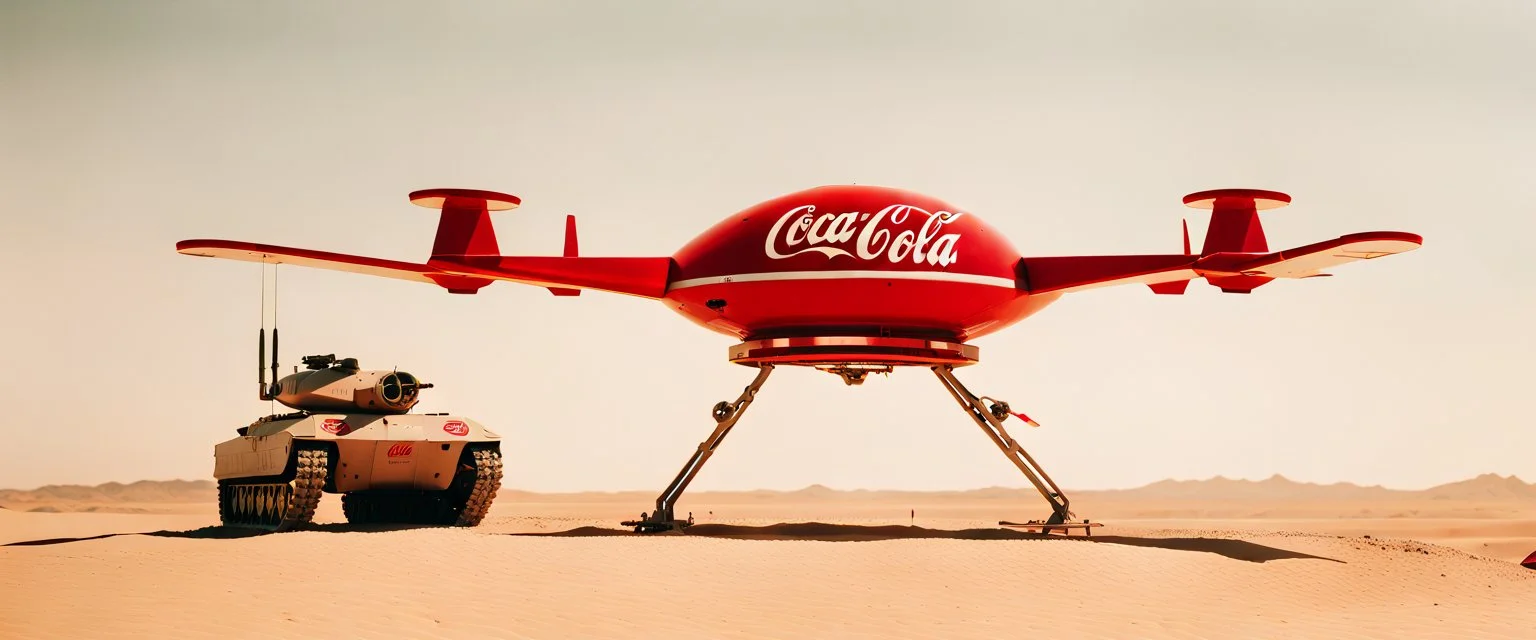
(815, 531)
(224, 533)
(818, 531)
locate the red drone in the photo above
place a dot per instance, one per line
(851, 280)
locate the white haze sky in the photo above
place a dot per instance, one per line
(1072, 127)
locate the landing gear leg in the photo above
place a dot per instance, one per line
(990, 419)
(726, 414)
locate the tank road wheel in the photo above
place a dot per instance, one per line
(276, 506)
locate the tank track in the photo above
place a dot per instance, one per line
(462, 504)
(276, 506)
(487, 482)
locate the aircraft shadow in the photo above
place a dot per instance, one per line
(823, 532)
(228, 533)
(813, 531)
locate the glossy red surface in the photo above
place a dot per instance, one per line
(851, 260)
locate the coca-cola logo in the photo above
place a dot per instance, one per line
(865, 236)
(400, 450)
(332, 425)
(456, 428)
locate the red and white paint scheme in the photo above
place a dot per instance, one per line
(849, 279)
(456, 428)
(845, 261)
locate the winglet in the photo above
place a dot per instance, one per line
(570, 252)
(1177, 287)
(570, 236)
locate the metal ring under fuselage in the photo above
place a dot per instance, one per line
(853, 350)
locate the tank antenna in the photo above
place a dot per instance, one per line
(261, 339)
(266, 391)
(272, 391)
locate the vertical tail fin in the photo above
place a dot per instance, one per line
(1177, 287)
(570, 252)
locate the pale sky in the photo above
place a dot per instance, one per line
(1074, 128)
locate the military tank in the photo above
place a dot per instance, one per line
(351, 433)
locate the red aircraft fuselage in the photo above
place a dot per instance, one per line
(851, 260)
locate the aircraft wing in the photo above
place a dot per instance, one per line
(270, 254)
(1310, 260)
(1067, 274)
(643, 277)
(1232, 271)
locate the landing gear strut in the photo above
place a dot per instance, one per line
(990, 419)
(987, 413)
(726, 414)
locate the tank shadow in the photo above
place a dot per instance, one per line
(230, 533)
(823, 532)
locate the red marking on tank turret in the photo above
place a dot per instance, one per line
(456, 428)
(332, 425)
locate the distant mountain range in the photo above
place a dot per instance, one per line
(1488, 487)
(141, 491)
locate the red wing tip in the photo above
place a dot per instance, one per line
(187, 246)
(436, 198)
(1400, 236)
(1261, 198)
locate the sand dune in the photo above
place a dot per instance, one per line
(730, 580)
(1211, 559)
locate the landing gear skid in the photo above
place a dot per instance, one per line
(987, 416)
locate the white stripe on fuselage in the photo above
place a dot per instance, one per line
(774, 276)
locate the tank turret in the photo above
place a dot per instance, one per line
(331, 385)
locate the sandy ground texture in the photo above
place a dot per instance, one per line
(857, 565)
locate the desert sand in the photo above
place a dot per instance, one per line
(1209, 559)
